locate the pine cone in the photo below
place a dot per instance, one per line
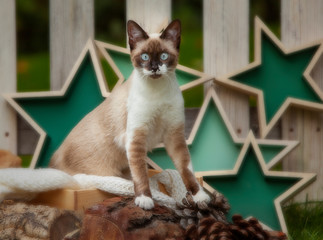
(252, 229)
(208, 228)
(208, 222)
(243, 229)
(211, 229)
(190, 212)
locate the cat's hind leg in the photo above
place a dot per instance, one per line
(177, 149)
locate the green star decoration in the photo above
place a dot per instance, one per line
(279, 78)
(214, 145)
(54, 114)
(253, 190)
(279, 75)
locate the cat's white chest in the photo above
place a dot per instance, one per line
(156, 107)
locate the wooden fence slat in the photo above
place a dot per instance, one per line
(301, 23)
(71, 25)
(226, 50)
(8, 125)
(149, 14)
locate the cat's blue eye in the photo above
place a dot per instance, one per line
(164, 56)
(145, 56)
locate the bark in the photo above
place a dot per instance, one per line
(31, 222)
(120, 218)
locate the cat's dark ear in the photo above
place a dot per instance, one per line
(173, 33)
(135, 34)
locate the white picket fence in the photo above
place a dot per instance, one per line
(226, 49)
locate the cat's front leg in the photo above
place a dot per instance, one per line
(177, 149)
(137, 153)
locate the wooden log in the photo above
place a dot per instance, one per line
(8, 124)
(120, 218)
(226, 50)
(22, 221)
(301, 23)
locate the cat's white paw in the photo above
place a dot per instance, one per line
(144, 202)
(201, 196)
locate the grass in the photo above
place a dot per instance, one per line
(304, 220)
(26, 159)
(33, 72)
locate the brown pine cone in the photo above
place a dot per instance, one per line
(252, 229)
(191, 232)
(208, 228)
(242, 229)
(207, 221)
(211, 228)
(190, 212)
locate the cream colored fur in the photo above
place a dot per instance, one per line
(94, 146)
(154, 105)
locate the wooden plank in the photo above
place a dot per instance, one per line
(69, 199)
(301, 23)
(71, 25)
(226, 49)
(292, 119)
(149, 14)
(8, 124)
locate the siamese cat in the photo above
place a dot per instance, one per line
(113, 139)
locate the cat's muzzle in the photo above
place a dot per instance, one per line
(155, 75)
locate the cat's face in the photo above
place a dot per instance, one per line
(154, 55)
